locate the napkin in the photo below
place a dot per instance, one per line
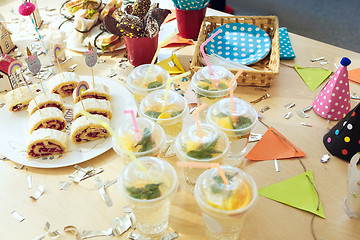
(312, 77)
(297, 192)
(273, 145)
(286, 50)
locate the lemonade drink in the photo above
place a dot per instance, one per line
(169, 114)
(224, 207)
(236, 126)
(211, 147)
(149, 193)
(150, 143)
(211, 88)
(140, 83)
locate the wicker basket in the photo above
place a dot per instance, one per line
(267, 68)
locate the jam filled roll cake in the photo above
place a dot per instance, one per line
(45, 101)
(93, 106)
(19, 98)
(46, 142)
(84, 129)
(99, 91)
(63, 83)
(47, 118)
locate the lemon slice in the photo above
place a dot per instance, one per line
(191, 145)
(215, 200)
(225, 122)
(239, 198)
(164, 115)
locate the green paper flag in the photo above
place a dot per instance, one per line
(313, 77)
(297, 192)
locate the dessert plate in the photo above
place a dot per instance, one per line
(14, 131)
(240, 42)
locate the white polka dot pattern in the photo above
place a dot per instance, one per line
(286, 50)
(333, 102)
(240, 42)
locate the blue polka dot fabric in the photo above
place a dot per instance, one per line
(240, 42)
(286, 51)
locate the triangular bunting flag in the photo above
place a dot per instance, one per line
(273, 145)
(172, 65)
(313, 77)
(354, 75)
(297, 192)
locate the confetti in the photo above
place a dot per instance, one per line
(38, 193)
(290, 105)
(64, 185)
(29, 181)
(317, 59)
(325, 158)
(101, 188)
(302, 114)
(354, 96)
(137, 236)
(254, 137)
(324, 62)
(42, 236)
(288, 115)
(261, 98)
(276, 162)
(307, 109)
(169, 236)
(121, 225)
(112, 74)
(305, 124)
(264, 109)
(51, 234)
(17, 216)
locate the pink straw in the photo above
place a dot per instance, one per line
(203, 51)
(232, 91)
(134, 122)
(195, 115)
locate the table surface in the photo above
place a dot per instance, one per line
(82, 206)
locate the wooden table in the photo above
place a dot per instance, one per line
(82, 206)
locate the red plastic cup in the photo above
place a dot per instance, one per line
(141, 50)
(189, 22)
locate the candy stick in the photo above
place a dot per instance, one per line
(32, 95)
(205, 165)
(134, 122)
(117, 138)
(203, 51)
(168, 87)
(195, 115)
(157, 52)
(232, 91)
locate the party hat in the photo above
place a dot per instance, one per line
(343, 140)
(333, 102)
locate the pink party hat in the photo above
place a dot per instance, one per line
(333, 102)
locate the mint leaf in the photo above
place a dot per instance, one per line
(242, 122)
(223, 86)
(175, 113)
(205, 80)
(150, 191)
(152, 114)
(154, 84)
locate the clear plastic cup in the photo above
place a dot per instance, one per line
(237, 126)
(149, 193)
(152, 139)
(140, 85)
(225, 207)
(212, 147)
(169, 114)
(204, 85)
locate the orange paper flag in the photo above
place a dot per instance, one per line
(354, 75)
(171, 16)
(178, 41)
(273, 145)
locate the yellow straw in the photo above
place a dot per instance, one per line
(168, 86)
(157, 52)
(205, 165)
(118, 140)
(195, 115)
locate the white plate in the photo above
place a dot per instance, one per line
(69, 28)
(14, 131)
